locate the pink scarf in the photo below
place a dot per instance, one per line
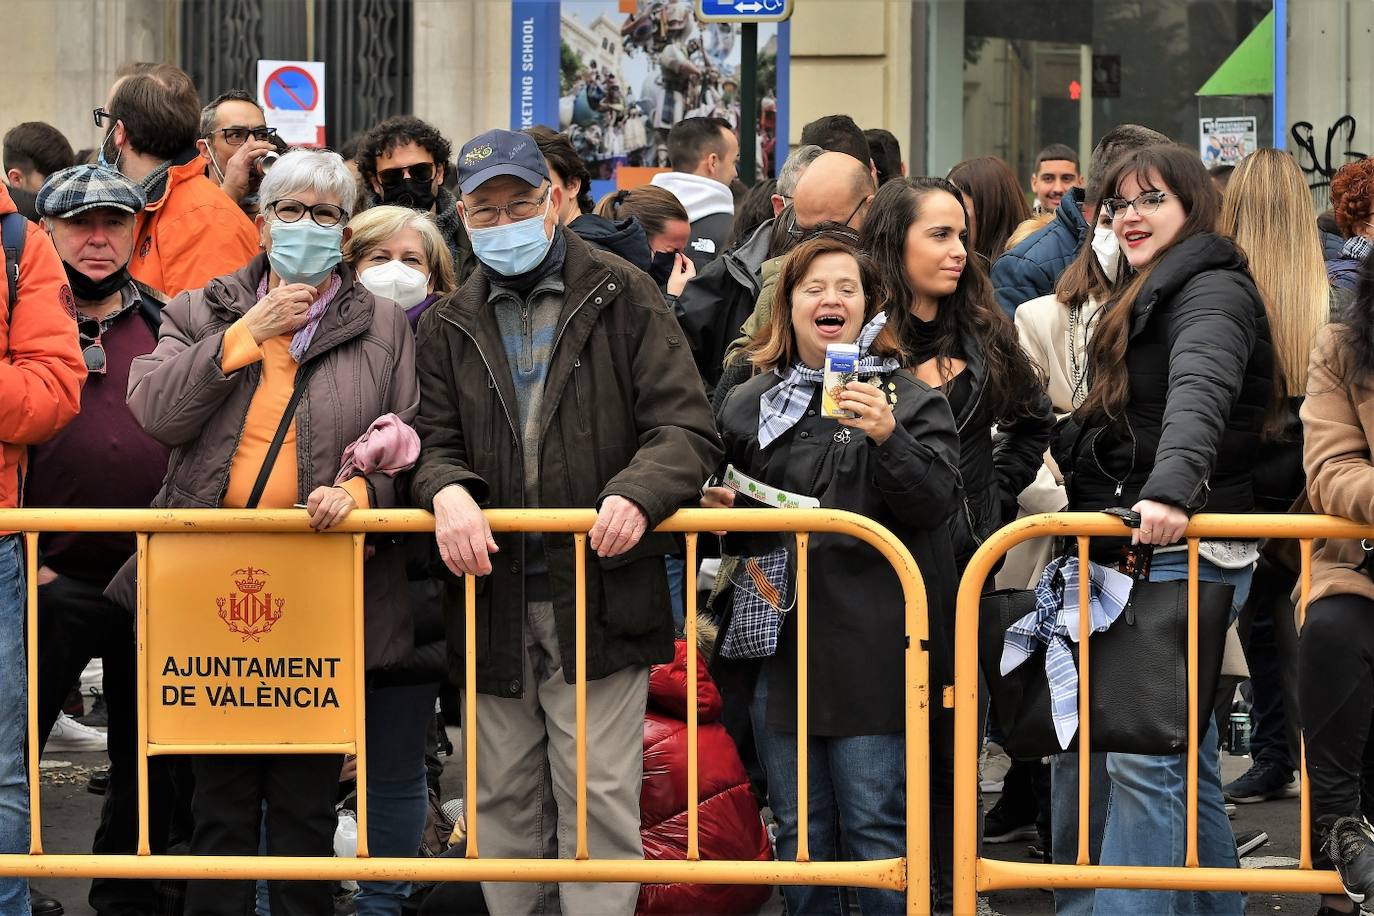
(389, 447)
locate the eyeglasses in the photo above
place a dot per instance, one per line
(101, 116)
(92, 350)
(486, 217)
(802, 234)
(235, 136)
(1145, 204)
(293, 211)
(420, 171)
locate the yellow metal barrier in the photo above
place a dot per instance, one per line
(893, 874)
(973, 873)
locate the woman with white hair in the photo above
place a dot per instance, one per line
(258, 383)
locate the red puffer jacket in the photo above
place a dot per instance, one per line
(730, 828)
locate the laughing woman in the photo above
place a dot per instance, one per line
(893, 462)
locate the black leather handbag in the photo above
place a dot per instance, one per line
(1138, 672)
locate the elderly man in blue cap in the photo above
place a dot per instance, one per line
(556, 377)
(102, 459)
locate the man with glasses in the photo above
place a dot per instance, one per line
(403, 161)
(102, 459)
(234, 141)
(555, 377)
(190, 231)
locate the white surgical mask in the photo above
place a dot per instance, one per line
(1107, 247)
(398, 282)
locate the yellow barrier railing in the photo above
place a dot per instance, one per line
(973, 873)
(893, 874)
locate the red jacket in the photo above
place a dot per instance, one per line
(41, 368)
(190, 235)
(730, 827)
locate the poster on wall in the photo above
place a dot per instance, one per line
(1226, 141)
(615, 75)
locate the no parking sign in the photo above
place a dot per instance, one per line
(291, 93)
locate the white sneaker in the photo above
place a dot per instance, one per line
(71, 736)
(993, 764)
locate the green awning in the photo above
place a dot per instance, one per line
(1250, 68)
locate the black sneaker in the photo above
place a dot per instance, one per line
(1249, 841)
(1004, 825)
(1262, 782)
(1350, 846)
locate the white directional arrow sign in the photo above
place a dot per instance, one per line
(744, 10)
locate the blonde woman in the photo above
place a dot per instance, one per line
(399, 255)
(1267, 211)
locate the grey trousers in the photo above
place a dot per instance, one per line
(526, 748)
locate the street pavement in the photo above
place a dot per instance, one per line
(70, 815)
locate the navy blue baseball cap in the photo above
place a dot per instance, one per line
(500, 152)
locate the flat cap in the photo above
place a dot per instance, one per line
(86, 187)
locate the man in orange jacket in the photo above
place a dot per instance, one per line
(41, 371)
(191, 231)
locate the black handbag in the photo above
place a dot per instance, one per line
(1137, 678)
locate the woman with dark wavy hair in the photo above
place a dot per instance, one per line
(1180, 389)
(995, 202)
(955, 339)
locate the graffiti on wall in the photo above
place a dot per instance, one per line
(1320, 166)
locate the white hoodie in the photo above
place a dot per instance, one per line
(700, 196)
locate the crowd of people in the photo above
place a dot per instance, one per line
(217, 320)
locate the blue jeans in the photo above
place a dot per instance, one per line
(858, 781)
(397, 790)
(14, 790)
(1064, 771)
(1146, 820)
(677, 569)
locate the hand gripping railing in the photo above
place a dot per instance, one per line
(973, 873)
(894, 874)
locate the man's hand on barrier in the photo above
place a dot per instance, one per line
(718, 498)
(328, 506)
(1160, 523)
(462, 532)
(619, 526)
(46, 576)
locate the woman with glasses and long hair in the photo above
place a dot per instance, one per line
(995, 203)
(259, 383)
(1180, 391)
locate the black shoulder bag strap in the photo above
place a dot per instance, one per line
(302, 382)
(14, 229)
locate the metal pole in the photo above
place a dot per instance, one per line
(749, 92)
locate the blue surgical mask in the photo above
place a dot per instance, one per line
(102, 160)
(304, 251)
(514, 248)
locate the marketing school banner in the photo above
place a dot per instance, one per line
(616, 75)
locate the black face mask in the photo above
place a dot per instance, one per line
(412, 193)
(88, 290)
(661, 266)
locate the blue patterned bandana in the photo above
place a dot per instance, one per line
(781, 406)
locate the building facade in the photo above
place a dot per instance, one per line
(951, 78)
